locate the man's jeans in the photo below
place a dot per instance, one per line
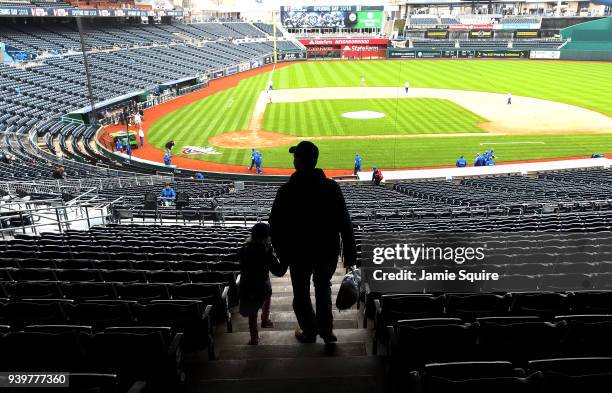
(301, 273)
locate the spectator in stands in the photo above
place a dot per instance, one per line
(461, 162)
(257, 260)
(377, 176)
(5, 157)
(258, 162)
(168, 195)
(199, 176)
(141, 136)
(509, 99)
(167, 159)
(169, 146)
(59, 173)
(357, 164)
(307, 221)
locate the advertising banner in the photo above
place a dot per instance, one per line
(527, 34)
(345, 41)
(502, 54)
(65, 12)
(545, 54)
(217, 74)
(517, 26)
(231, 70)
(463, 54)
(461, 27)
(401, 54)
(323, 52)
(9, 54)
(481, 34)
(291, 56)
(369, 20)
(440, 34)
(244, 67)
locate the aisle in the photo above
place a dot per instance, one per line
(281, 364)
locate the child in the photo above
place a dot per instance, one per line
(257, 260)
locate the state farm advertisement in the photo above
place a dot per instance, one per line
(345, 41)
(362, 51)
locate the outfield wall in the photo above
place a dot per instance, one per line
(394, 53)
(588, 41)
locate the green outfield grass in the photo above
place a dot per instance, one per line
(402, 116)
(585, 84)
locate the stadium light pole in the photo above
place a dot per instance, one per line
(274, 35)
(87, 75)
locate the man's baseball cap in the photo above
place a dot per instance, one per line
(306, 150)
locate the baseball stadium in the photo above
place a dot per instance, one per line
(347, 196)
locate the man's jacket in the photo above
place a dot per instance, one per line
(308, 218)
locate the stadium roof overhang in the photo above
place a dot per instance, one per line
(109, 102)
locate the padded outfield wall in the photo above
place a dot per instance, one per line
(588, 41)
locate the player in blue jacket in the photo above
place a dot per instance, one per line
(478, 160)
(258, 161)
(461, 162)
(357, 164)
(253, 155)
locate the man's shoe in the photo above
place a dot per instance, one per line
(329, 338)
(267, 323)
(304, 338)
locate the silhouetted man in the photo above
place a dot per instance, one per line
(307, 221)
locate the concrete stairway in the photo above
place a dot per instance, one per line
(281, 364)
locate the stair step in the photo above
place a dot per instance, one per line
(352, 384)
(290, 315)
(287, 306)
(288, 368)
(334, 293)
(287, 337)
(243, 326)
(286, 287)
(295, 350)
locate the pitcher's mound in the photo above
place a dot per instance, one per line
(363, 115)
(252, 139)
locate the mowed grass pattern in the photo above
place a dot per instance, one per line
(402, 116)
(585, 84)
(194, 124)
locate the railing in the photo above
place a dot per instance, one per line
(51, 218)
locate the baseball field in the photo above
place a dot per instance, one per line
(455, 107)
